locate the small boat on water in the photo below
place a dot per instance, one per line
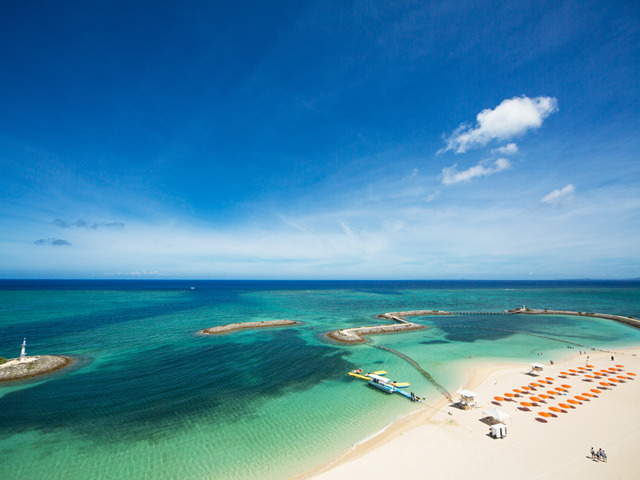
(379, 381)
(382, 383)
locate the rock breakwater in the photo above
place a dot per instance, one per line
(245, 326)
(14, 369)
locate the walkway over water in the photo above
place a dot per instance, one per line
(482, 313)
(439, 387)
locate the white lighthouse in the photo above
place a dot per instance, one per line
(23, 352)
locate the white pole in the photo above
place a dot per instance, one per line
(23, 352)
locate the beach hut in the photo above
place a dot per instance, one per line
(499, 430)
(467, 399)
(497, 415)
(536, 368)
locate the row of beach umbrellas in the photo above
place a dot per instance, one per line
(612, 375)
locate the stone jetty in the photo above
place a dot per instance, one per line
(355, 335)
(245, 326)
(15, 369)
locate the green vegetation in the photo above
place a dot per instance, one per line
(3, 360)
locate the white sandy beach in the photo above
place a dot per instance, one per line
(455, 443)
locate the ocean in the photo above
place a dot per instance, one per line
(148, 398)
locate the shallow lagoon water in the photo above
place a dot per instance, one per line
(149, 399)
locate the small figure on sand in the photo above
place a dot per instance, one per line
(599, 456)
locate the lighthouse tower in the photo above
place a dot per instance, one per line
(23, 352)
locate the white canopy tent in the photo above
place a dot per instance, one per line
(499, 415)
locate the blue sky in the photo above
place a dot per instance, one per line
(335, 139)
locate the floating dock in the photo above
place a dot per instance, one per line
(377, 380)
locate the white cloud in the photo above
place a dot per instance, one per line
(451, 175)
(558, 197)
(508, 149)
(513, 117)
(432, 196)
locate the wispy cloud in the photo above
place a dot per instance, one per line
(512, 118)
(508, 149)
(84, 224)
(451, 175)
(560, 196)
(54, 242)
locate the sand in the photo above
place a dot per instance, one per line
(455, 443)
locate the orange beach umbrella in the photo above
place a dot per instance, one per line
(551, 379)
(573, 371)
(555, 409)
(498, 399)
(561, 389)
(535, 399)
(632, 374)
(552, 392)
(510, 395)
(542, 395)
(526, 387)
(589, 366)
(566, 385)
(517, 390)
(595, 390)
(614, 380)
(564, 405)
(526, 404)
(564, 373)
(580, 397)
(573, 402)
(582, 368)
(620, 366)
(586, 395)
(544, 414)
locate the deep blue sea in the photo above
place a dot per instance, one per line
(149, 399)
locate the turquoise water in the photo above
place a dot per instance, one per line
(148, 399)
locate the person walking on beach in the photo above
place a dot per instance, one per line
(593, 454)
